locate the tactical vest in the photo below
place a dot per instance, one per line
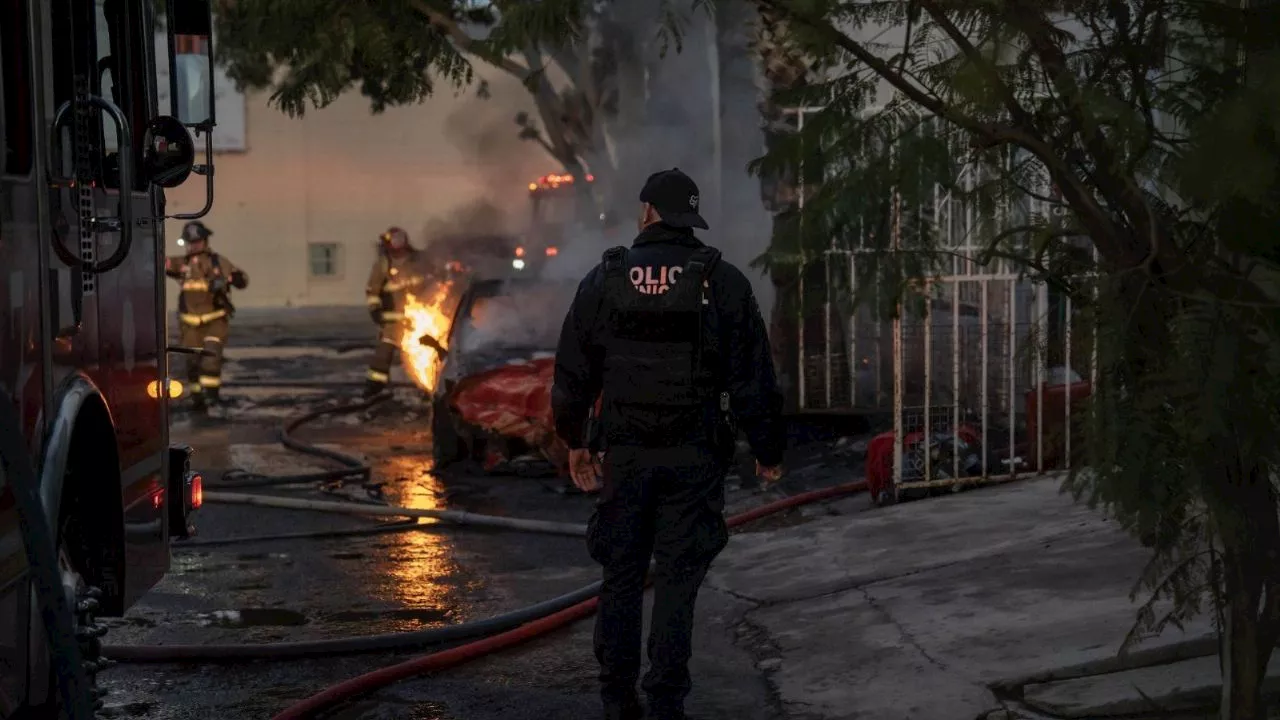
(653, 346)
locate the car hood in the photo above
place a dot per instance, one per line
(514, 401)
(462, 366)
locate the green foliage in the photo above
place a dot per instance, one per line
(1123, 151)
(308, 52)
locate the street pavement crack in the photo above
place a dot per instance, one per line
(756, 642)
(858, 583)
(734, 594)
(906, 635)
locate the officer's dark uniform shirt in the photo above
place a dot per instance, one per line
(735, 350)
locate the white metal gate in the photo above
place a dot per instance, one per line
(979, 369)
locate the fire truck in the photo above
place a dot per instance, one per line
(91, 490)
(554, 218)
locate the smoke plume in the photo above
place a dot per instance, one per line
(699, 113)
(519, 316)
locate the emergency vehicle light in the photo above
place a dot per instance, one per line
(555, 180)
(552, 252)
(519, 252)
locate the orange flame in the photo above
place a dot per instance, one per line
(424, 315)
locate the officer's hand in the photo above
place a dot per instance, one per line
(585, 469)
(768, 474)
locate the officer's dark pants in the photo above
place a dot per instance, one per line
(667, 503)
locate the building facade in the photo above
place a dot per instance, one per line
(300, 208)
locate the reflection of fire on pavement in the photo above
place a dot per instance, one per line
(424, 315)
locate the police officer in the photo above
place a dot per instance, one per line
(394, 274)
(670, 338)
(204, 311)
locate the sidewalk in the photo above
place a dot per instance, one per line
(910, 612)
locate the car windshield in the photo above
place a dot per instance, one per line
(515, 315)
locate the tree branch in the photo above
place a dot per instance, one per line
(571, 65)
(1091, 214)
(468, 44)
(917, 95)
(1123, 191)
(540, 139)
(1018, 113)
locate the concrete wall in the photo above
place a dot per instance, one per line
(342, 175)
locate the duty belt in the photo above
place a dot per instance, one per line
(197, 319)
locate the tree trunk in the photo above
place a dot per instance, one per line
(784, 327)
(745, 223)
(1250, 532)
(626, 25)
(1241, 672)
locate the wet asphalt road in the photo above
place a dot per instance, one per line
(285, 590)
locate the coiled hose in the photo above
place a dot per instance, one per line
(354, 469)
(41, 547)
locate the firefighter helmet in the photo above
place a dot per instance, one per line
(395, 239)
(194, 231)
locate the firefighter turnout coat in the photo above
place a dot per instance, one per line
(205, 310)
(393, 277)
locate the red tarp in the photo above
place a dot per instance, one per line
(514, 401)
(879, 468)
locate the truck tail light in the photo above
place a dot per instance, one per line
(552, 251)
(197, 491)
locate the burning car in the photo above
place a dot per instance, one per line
(492, 399)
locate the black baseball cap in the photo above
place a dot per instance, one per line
(675, 197)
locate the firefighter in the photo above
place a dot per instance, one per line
(204, 311)
(394, 274)
(670, 338)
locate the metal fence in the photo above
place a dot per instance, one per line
(982, 371)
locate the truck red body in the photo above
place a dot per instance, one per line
(82, 314)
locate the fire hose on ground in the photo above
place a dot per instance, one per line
(453, 657)
(480, 637)
(487, 636)
(454, 517)
(354, 469)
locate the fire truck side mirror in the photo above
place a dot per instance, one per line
(190, 30)
(189, 24)
(169, 154)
